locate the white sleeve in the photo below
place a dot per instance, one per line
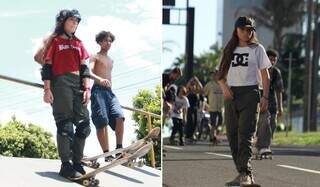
(186, 102)
(262, 57)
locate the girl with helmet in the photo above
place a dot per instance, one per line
(66, 88)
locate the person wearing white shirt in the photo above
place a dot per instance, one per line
(179, 114)
(242, 71)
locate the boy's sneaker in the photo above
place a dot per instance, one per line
(181, 143)
(67, 171)
(109, 158)
(79, 168)
(246, 180)
(234, 182)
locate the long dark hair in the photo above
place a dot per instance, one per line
(228, 52)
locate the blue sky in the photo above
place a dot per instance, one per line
(136, 51)
(205, 34)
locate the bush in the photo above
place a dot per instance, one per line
(148, 101)
(21, 140)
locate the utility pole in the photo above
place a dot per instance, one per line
(308, 72)
(189, 42)
(315, 69)
(289, 120)
(189, 23)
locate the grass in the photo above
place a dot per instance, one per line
(310, 138)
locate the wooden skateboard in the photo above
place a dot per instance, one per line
(127, 156)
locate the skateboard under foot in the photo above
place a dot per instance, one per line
(126, 156)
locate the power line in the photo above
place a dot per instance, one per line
(136, 88)
(130, 85)
(134, 70)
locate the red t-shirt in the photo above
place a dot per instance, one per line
(65, 55)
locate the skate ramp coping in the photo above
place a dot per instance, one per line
(21, 172)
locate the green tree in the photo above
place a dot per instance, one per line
(277, 15)
(26, 140)
(148, 101)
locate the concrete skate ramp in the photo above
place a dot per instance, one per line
(24, 172)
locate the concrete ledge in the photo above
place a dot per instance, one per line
(22, 172)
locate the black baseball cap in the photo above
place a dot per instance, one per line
(244, 21)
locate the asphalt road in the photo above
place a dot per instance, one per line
(204, 165)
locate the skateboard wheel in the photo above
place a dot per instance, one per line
(96, 182)
(130, 165)
(96, 165)
(140, 163)
(86, 182)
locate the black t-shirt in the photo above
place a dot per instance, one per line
(170, 95)
(193, 100)
(276, 85)
(166, 80)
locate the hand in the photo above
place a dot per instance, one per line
(167, 107)
(227, 93)
(263, 104)
(48, 97)
(86, 96)
(105, 82)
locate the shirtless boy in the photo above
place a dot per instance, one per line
(105, 107)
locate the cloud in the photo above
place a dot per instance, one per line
(146, 7)
(136, 39)
(15, 13)
(133, 40)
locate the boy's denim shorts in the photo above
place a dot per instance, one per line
(105, 107)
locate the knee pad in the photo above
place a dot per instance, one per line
(83, 129)
(65, 128)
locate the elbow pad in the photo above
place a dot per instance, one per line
(84, 71)
(46, 72)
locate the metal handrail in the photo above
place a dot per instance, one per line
(147, 114)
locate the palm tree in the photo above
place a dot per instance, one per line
(277, 15)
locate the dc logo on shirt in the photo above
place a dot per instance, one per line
(240, 59)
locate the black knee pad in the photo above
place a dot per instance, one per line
(83, 129)
(65, 128)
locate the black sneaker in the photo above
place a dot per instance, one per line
(181, 143)
(109, 158)
(67, 171)
(79, 168)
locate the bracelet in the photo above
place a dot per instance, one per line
(45, 89)
(87, 89)
(266, 98)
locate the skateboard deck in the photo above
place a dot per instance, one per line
(89, 178)
(127, 155)
(131, 148)
(260, 156)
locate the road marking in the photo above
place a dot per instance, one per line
(173, 147)
(210, 153)
(300, 169)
